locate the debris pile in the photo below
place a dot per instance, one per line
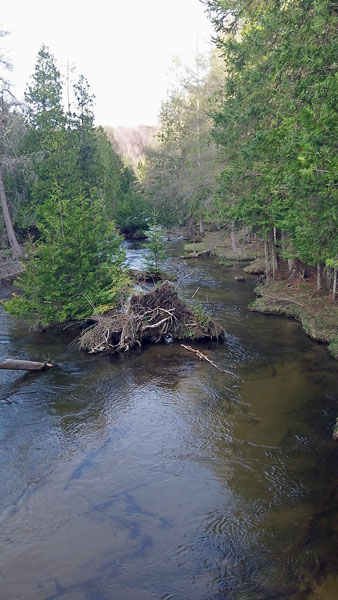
(151, 317)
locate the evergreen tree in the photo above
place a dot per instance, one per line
(155, 248)
(45, 113)
(276, 123)
(75, 265)
(181, 168)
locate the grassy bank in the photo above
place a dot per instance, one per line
(317, 313)
(218, 243)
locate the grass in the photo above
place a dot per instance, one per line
(202, 318)
(218, 243)
(226, 263)
(256, 267)
(195, 247)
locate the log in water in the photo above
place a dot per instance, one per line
(24, 365)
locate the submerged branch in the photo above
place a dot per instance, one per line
(202, 356)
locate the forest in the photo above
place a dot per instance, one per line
(245, 144)
(169, 303)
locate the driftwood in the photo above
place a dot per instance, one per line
(24, 365)
(151, 317)
(202, 356)
(10, 269)
(192, 254)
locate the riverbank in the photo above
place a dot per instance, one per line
(219, 244)
(317, 314)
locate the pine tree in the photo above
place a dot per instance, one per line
(276, 123)
(75, 265)
(155, 248)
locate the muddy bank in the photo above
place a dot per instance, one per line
(317, 314)
(143, 276)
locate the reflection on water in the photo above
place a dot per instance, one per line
(151, 475)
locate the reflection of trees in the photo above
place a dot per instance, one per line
(272, 536)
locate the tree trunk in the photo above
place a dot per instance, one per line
(191, 226)
(233, 238)
(291, 264)
(201, 224)
(334, 286)
(287, 248)
(268, 269)
(271, 263)
(284, 242)
(274, 254)
(13, 242)
(319, 276)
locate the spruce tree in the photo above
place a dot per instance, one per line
(75, 266)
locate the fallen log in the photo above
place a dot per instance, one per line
(25, 365)
(192, 254)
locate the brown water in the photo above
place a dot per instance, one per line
(152, 475)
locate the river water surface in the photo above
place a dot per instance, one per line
(153, 476)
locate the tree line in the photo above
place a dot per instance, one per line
(246, 140)
(259, 150)
(63, 187)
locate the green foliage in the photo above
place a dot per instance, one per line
(156, 248)
(226, 263)
(201, 316)
(333, 348)
(44, 97)
(132, 213)
(276, 121)
(75, 265)
(74, 268)
(180, 170)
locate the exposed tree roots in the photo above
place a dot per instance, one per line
(151, 317)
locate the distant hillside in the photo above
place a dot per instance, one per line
(131, 141)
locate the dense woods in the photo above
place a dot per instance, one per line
(259, 149)
(64, 184)
(182, 165)
(246, 140)
(277, 126)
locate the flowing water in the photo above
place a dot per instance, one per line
(152, 475)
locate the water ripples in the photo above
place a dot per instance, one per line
(154, 475)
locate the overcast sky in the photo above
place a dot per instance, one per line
(125, 48)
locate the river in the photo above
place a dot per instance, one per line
(153, 476)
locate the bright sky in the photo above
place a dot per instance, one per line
(125, 48)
